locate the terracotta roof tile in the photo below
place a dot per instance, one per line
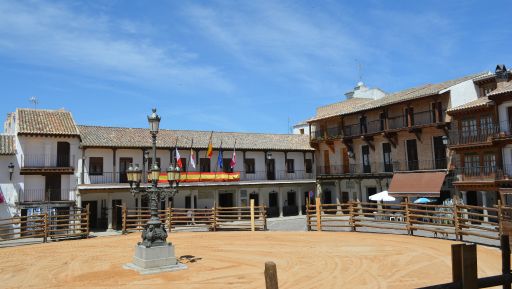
(507, 87)
(479, 102)
(339, 108)
(98, 136)
(45, 122)
(7, 146)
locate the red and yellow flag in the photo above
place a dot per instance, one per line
(209, 152)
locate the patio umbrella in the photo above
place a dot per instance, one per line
(382, 196)
(422, 201)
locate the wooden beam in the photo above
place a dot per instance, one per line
(271, 276)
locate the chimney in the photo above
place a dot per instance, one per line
(501, 75)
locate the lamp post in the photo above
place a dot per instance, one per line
(11, 170)
(154, 233)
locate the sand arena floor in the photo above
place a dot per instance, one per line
(236, 260)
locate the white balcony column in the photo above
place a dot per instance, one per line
(280, 202)
(484, 204)
(464, 197)
(338, 195)
(109, 212)
(78, 198)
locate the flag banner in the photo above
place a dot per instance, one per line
(219, 158)
(209, 152)
(192, 159)
(201, 177)
(2, 198)
(178, 159)
(232, 163)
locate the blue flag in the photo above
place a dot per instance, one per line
(219, 159)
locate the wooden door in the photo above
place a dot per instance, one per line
(271, 169)
(117, 215)
(327, 162)
(63, 152)
(53, 187)
(345, 160)
(124, 163)
(412, 155)
(93, 213)
(365, 150)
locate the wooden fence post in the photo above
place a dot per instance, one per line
(252, 215)
(214, 223)
(318, 206)
(469, 267)
(264, 218)
(87, 216)
(124, 216)
(500, 218)
(458, 235)
(505, 257)
(45, 224)
(408, 218)
(351, 216)
(308, 217)
(457, 263)
(271, 276)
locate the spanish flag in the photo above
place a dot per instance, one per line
(209, 152)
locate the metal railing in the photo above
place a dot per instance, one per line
(334, 132)
(317, 134)
(382, 167)
(351, 130)
(119, 177)
(505, 129)
(484, 134)
(45, 195)
(47, 160)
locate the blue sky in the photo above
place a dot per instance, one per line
(234, 65)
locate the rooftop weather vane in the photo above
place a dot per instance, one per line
(34, 101)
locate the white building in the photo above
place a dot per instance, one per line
(60, 164)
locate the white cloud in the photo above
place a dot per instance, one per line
(53, 35)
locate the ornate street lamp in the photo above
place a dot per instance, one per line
(154, 233)
(11, 170)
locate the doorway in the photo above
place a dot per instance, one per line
(63, 151)
(412, 155)
(255, 197)
(327, 163)
(93, 213)
(327, 197)
(117, 215)
(225, 200)
(346, 165)
(370, 191)
(271, 169)
(124, 163)
(53, 188)
(365, 150)
(439, 153)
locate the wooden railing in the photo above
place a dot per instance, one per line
(458, 220)
(44, 227)
(249, 218)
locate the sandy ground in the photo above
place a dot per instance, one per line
(236, 260)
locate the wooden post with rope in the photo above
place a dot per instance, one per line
(214, 223)
(87, 220)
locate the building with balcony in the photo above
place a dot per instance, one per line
(480, 140)
(58, 164)
(364, 142)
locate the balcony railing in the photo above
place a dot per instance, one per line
(382, 167)
(458, 137)
(333, 132)
(120, 177)
(351, 130)
(505, 129)
(47, 160)
(45, 195)
(317, 134)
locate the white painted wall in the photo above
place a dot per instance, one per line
(503, 116)
(8, 187)
(463, 92)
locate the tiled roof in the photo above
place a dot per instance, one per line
(98, 136)
(45, 122)
(7, 146)
(507, 87)
(404, 95)
(485, 76)
(339, 108)
(479, 102)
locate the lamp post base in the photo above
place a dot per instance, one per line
(151, 260)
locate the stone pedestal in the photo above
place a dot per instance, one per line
(154, 260)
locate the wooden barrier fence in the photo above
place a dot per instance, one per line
(63, 224)
(250, 218)
(458, 220)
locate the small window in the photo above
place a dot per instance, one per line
(204, 165)
(301, 131)
(95, 166)
(226, 166)
(309, 166)
(249, 166)
(290, 166)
